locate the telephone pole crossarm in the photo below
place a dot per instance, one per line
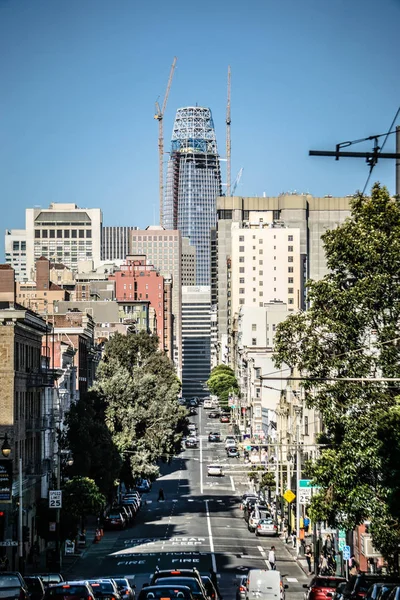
(367, 155)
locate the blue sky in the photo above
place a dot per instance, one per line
(79, 79)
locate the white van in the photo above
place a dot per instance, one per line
(208, 403)
(263, 584)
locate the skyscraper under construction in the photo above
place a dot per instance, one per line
(193, 183)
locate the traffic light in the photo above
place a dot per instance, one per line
(25, 533)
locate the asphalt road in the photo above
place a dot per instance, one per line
(198, 525)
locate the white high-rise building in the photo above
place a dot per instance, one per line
(63, 233)
(15, 252)
(266, 266)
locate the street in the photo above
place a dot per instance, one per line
(198, 525)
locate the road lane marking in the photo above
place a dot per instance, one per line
(268, 565)
(213, 561)
(232, 484)
(292, 579)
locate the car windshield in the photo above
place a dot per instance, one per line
(326, 583)
(103, 586)
(121, 582)
(164, 592)
(189, 582)
(68, 590)
(266, 522)
(9, 581)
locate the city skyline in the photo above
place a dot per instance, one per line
(79, 97)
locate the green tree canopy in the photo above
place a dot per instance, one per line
(140, 393)
(82, 497)
(351, 331)
(223, 382)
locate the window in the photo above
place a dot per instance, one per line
(241, 269)
(276, 215)
(290, 301)
(59, 233)
(241, 259)
(66, 233)
(254, 258)
(241, 238)
(260, 304)
(260, 251)
(81, 233)
(88, 233)
(290, 279)
(74, 233)
(52, 233)
(290, 238)
(254, 327)
(241, 300)
(260, 293)
(305, 425)
(290, 258)
(261, 273)
(241, 280)
(254, 341)
(260, 241)
(290, 248)
(241, 248)
(37, 233)
(290, 269)
(290, 291)
(241, 290)
(260, 262)
(261, 283)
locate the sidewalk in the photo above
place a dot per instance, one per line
(300, 559)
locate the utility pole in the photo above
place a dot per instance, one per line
(20, 526)
(398, 160)
(298, 477)
(228, 136)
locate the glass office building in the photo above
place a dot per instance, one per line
(193, 183)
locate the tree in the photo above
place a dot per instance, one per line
(140, 389)
(350, 330)
(81, 498)
(90, 441)
(222, 383)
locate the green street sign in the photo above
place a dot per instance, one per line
(306, 484)
(248, 447)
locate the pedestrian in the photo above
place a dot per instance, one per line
(308, 555)
(214, 581)
(294, 539)
(271, 558)
(160, 495)
(328, 545)
(323, 565)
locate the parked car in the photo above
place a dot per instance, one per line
(208, 403)
(225, 418)
(338, 593)
(267, 527)
(192, 427)
(322, 588)
(50, 579)
(264, 584)
(192, 410)
(214, 437)
(232, 452)
(13, 586)
(35, 587)
(143, 486)
(73, 590)
(124, 587)
(249, 507)
(114, 520)
(385, 590)
(191, 442)
(230, 441)
(105, 589)
(215, 470)
(241, 588)
(395, 594)
(358, 585)
(214, 414)
(156, 592)
(247, 497)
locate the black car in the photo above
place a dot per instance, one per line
(50, 579)
(13, 586)
(358, 585)
(124, 587)
(105, 589)
(210, 588)
(191, 442)
(214, 437)
(35, 587)
(196, 587)
(214, 414)
(161, 574)
(156, 592)
(385, 590)
(249, 507)
(73, 590)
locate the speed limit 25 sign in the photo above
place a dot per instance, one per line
(55, 499)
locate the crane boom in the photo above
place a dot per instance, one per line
(159, 115)
(228, 136)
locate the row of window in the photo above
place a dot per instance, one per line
(58, 233)
(242, 248)
(242, 300)
(243, 291)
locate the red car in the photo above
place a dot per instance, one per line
(224, 419)
(322, 588)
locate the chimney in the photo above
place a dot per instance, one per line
(42, 274)
(7, 283)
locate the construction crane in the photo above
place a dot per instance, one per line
(228, 136)
(238, 178)
(160, 116)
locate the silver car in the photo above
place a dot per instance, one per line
(267, 527)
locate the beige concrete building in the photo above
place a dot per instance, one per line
(311, 216)
(63, 233)
(15, 252)
(188, 263)
(41, 295)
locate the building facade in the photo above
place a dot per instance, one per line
(311, 216)
(15, 252)
(193, 183)
(63, 233)
(115, 242)
(163, 250)
(196, 332)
